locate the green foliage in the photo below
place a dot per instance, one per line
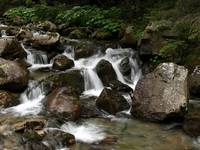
(21, 15)
(92, 16)
(188, 28)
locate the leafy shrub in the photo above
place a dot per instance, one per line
(92, 16)
(188, 28)
(21, 15)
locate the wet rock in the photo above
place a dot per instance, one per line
(24, 124)
(88, 107)
(195, 82)
(111, 101)
(83, 52)
(120, 87)
(49, 38)
(11, 49)
(77, 34)
(13, 76)
(58, 138)
(32, 145)
(47, 26)
(191, 124)
(61, 62)
(7, 99)
(161, 94)
(72, 78)
(106, 72)
(24, 33)
(64, 103)
(11, 142)
(125, 67)
(100, 34)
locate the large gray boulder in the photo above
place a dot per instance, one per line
(13, 76)
(162, 93)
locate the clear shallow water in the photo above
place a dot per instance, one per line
(136, 135)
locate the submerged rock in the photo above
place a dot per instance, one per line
(191, 124)
(32, 145)
(111, 101)
(61, 62)
(64, 103)
(13, 76)
(10, 48)
(58, 138)
(162, 93)
(106, 72)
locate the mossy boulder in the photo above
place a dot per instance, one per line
(101, 34)
(72, 78)
(77, 34)
(161, 41)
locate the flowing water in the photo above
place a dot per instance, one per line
(93, 84)
(130, 134)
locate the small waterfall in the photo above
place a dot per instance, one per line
(31, 101)
(92, 87)
(37, 59)
(93, 84)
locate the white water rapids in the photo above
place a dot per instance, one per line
(93, 84)
(31, 99)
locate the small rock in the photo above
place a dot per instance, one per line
(111, 101)
(62, 63)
